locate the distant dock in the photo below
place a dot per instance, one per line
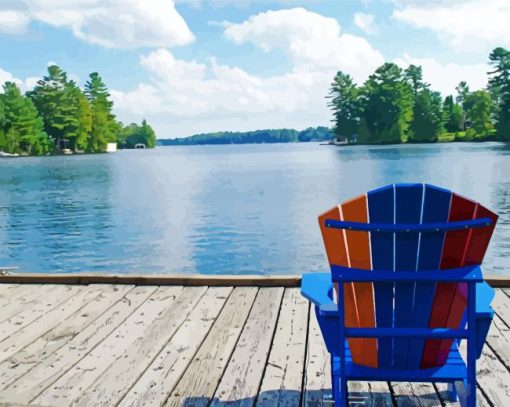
(191, 341)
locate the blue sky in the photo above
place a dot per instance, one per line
(193, 66)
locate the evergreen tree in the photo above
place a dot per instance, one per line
(104, 126)
(23, 127)
(499, 84)
(345, 105)
(480, 114)
(453, 115)
(387, 105)
(51, 101)
(427, 121)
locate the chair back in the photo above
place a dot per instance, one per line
(405, 304)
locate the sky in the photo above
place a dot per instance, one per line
(196, 66)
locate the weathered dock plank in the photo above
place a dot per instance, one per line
(241, 379)
(28, 307)
(44, 346)
(27, 387)
(196, 388)
(81, 376)
(317, 376)
(111, 386)
(283, 377)
(59, 311)
(159, 379)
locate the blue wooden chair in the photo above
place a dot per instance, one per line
(405, 282)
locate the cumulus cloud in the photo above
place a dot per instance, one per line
(460, 22)
(109, 23)
(185, 97)
(366, 23)
(310, 39)
(445, 77)
(24, 85)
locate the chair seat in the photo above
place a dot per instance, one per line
(454, 369)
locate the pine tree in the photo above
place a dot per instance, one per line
(23, 127)
(499, 84)
(345, 105)
(148, 134)
(427, 120)
(104, 126)
(453, 115)
(387, 105)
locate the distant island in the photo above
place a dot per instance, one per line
(395, 105)
(252, 137)
(57, 117)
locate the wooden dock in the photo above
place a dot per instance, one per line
(192, 345)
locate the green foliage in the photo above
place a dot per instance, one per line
(395, 106)
(427, 120)
(453, 115)
(258, 136)
(386, 105)
(57, 114)
(481, 108)
(22, 127)
(499, 85)
(133, 134)
(104, 126)
(345, 105)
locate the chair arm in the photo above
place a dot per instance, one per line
(318, 288)
(484, 313)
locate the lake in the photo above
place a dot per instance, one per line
(241, 209)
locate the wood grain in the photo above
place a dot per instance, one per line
(196, 388)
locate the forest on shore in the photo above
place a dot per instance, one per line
(395, 105)
(252, 137)
(57, 115)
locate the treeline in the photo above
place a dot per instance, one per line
(251, 137)
(57, 116)
(395, 105)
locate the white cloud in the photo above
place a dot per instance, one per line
(186, 97)
(109, 23)
(310, 39)
(445, 78)
(366, 23)
(13, 21)
(462, 23)
(183, 97)
(24, 85)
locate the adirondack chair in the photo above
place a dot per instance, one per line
(405, 280)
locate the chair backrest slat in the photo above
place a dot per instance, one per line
(381, 210)
(408, 206)
(334, 242)
(358, 252)
(436, 207)
(453, 254)
(476, 245)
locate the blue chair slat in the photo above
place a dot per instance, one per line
(408, 205)
(436, 207)
(380, 207)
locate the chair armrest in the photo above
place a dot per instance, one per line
(484, 296)
(484, 313)
(317, 287)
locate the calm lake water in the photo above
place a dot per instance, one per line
(247, 209)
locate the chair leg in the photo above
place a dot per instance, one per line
(452, 392)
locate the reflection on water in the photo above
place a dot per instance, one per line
(219, 209)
